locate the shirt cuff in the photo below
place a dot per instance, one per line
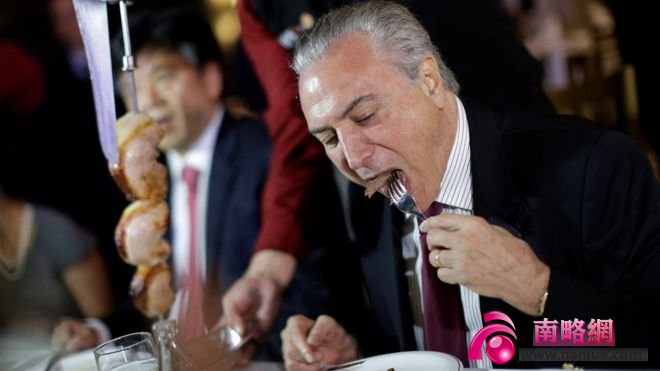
(101, 329)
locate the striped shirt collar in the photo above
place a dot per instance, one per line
(456, 186)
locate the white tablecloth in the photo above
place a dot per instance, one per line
(36, 360)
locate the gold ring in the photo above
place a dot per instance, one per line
(436, 260)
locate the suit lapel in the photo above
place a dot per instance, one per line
(221, 182)
(495, 197)
(493, 190)
(396, 289)
(379, 237)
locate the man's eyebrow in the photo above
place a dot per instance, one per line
(354, 103)
(160, 67)
(348, 110)
(319, 130)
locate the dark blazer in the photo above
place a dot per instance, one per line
(584, 199)
(238, 172)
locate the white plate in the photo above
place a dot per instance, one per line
(409, 361)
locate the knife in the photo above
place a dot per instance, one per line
(345, 366)
(92, 16)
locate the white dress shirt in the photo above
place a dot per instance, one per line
(457, 197)
(200, 157)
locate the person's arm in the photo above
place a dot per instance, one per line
(87, 280)
(256, 296)
(295, 159)
(621, 234)
(486, 258)
(252, 302)
(296, 154)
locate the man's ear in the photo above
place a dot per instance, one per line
(431, 81)
(213, 79)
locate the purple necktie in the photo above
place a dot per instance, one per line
(191, 316)
(444, 325)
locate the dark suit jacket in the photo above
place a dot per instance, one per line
(238, 171)
(234, 217)
(584, 199)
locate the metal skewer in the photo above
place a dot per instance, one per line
(128, 62)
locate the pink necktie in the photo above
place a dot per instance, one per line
(444, 326)
(191, 317)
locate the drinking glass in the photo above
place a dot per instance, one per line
(218, 350)
(132, 352)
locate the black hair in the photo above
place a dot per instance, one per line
(182, 29)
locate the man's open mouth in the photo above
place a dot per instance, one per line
(376, 184)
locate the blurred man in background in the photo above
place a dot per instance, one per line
(226, 160)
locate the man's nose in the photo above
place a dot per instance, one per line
(356, 147)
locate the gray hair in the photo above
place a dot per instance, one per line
(390, 27)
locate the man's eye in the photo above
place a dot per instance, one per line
(330, 141)
(162, 77)
(364, 119)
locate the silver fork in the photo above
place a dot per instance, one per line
(401, 197)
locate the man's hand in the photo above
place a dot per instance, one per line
(313, 345)
(73, 335)
(255, 297)
(487, 259)
(252, 303)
